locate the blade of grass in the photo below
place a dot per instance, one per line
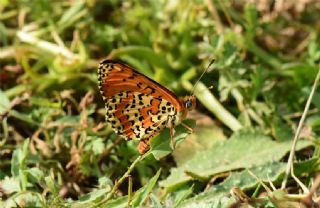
(297, 134)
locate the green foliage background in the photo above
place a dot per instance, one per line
(57, 151)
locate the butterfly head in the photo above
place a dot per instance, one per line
(189, 102)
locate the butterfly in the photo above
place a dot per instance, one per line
(137, 107)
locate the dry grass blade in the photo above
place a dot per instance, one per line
(297, 134)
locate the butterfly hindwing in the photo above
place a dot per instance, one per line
(133, 119)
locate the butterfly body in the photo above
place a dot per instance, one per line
(136, 106)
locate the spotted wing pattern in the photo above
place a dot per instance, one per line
(137, 107)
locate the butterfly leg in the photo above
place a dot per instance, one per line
(143, 146)
(171, 136)
(187, 127)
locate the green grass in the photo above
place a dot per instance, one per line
(56, 149)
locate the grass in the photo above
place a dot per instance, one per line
(256, 127)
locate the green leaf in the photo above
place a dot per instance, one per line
(15, 163)
(23, 117)
(161, 145)
(45, 102)
(219, 200)
(93, 196)
(181, 194)
(197, 141)
(121, 202)
(18, 159)
(4, 102)
(281, 130)
(280, 199)
(155, 201)
(142, 51)
(35, 175)
(235, 153)
(51, 184)
(71, 15)
(105, 182)
(267, 172)
(95, 144)
(307, 166)
(71, 120)
(25, 199)
(9, 185)
(141, 195)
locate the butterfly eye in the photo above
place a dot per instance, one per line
(188, 104)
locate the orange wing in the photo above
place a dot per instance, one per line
(116, 77)
(137, 107)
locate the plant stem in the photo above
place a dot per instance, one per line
(296, 136)
(213, 105)
(121, 180)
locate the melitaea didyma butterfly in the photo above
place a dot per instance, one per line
(138, 107)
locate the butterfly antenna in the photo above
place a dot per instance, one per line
(208, 67)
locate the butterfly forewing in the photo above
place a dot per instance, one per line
(137, 107)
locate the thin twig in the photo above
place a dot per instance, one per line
(296, 136)
(121, 180)
(302, 186)
(260, 181)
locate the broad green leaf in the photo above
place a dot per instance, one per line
(218, 200)
(268, 172)
(141, 195)
(198, 141)
(235, 153)
(161, 145)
